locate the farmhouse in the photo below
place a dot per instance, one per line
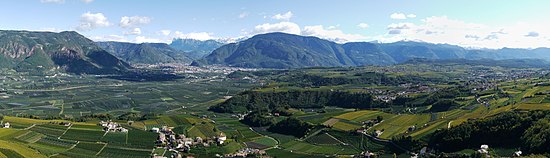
(484, 149)
(222, 138)
(6, 125)
(109, 126)
(156, 130)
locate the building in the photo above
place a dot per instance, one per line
(222, 138)
(156, 130)
(109, 126)
(6, 125)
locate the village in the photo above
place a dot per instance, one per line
(172, 141)
(109, 126)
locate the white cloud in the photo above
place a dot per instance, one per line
(87, 1)
(532, 34)
(363, 25)
(333, 35)
(135, 31)
(243, 15)
(53, 1)
(441, 29)
(134, 21)
(143, 39)
(333, 26)
(203, 36)
(399, 28)
(90, 21)
(286, 27)
(286, 16)
(165, 32)
(401, 16)
(398, 16)
(329, 33)
(115, 38)
(49, 29)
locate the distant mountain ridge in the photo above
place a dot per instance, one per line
(511, 63)
(281, 50)
(195, 48)
(145, 53)
(43, 51)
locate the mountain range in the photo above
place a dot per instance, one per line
(281, 50)
(195, 48)
(67, 51)
(74, 53)
(145, 53)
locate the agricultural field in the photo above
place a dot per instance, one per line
(40, 114)
(323, 139)
(400, 124)
(261, 143)
(73, 96)
(363, 115)
(49, 139)
(305, 147)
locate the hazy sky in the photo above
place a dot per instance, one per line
(471, 23)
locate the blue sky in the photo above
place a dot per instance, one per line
(470, 23)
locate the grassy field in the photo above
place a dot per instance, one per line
(12, 149)
(183, 104)
(345, 126)
(304, 147)
(279, 153)
(363, 115)
(323, 139)
(399, 124)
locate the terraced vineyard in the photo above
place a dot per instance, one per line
(77, 140)
(376, 109)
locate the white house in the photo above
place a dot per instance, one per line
(484, 149)
(156, 130)
(222, 138)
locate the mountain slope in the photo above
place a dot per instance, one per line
(279, 50)
(70, 51)
(510, 63)
(403, 51)
(364, 53)
(145, 53)
(195, 48)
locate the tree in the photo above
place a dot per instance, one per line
(443, 105)
(291, 126)
(257, 119)
(537, 137)
(379, 118)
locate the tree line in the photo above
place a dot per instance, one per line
(269, 101)
(529, 131)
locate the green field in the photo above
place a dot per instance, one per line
(399, 124)
(41, 107)
(318, 149)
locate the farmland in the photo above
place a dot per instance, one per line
(62, 120)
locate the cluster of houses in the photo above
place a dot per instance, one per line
(390, 95)
(186, 69)
(246, 152)
(179, 142)
(109, 126)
